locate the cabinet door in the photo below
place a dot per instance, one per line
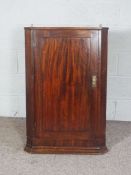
(66, 101)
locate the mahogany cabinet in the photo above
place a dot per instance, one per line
(66, 71)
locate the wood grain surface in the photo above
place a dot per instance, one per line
(64, 110)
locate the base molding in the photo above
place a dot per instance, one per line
(65, 150)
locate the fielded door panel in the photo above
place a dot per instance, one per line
(66, 100)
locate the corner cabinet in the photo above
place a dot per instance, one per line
(66, 71)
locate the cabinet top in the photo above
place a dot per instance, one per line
(66, 28)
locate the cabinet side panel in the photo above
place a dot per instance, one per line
(95, 69)
(99, 51)
(104, 46)
(29, 84)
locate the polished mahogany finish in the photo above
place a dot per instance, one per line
(66, 89)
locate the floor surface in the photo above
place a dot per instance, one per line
(15, 161)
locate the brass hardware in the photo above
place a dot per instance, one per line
(94, 80)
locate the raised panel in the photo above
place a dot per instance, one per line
(65, 84)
